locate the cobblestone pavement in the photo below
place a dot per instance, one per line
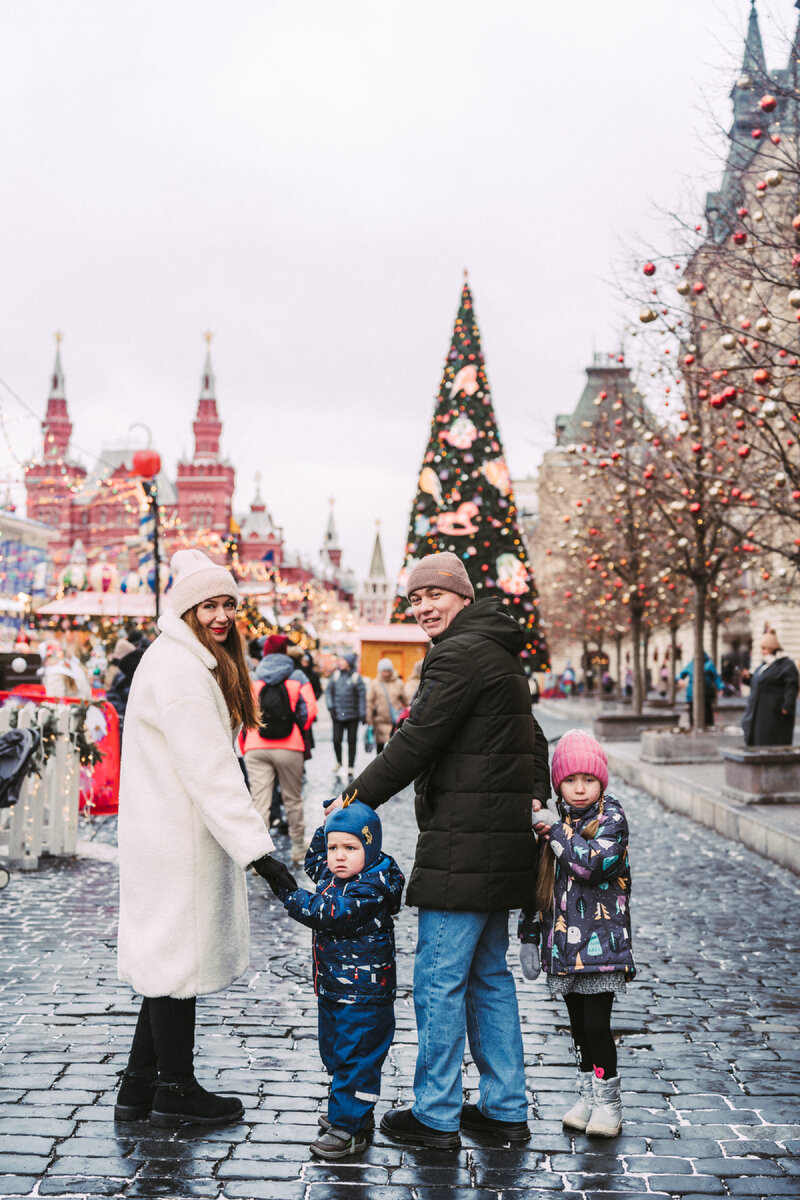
(708, 1040)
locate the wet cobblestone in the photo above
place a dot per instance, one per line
(708, 1037)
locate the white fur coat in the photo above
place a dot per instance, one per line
(187, 827)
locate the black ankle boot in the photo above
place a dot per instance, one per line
(135, 1095)
(187, 1103)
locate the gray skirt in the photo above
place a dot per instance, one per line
(586, 983)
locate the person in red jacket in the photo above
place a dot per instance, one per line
(266, 753)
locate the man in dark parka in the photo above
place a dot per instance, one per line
(478, 760)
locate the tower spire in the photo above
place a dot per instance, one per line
(331, 550)
(377, 570)
(207, 425)
(56, 426)
(754, 64)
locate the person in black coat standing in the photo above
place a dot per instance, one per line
(769, 716)
(478, 760)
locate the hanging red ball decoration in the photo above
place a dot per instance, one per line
(649, 268)
(767, 103)
(146, 463)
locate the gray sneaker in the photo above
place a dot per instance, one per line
(324, 1123)
(338, 1143)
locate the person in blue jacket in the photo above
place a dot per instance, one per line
(583, 921)
(359, 889)
(346, 697)
(711, 685)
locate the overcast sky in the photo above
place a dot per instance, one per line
(308, 180)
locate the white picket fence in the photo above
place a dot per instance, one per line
(45, 817)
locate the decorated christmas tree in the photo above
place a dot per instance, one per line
(464, 500)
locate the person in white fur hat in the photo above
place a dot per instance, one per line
(187, 831)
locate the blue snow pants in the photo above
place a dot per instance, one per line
(354, 1040)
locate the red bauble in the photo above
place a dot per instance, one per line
(146, 463)
(740, 237)
(698, 287)
(649, 268)
(767, 103)
(744, 451)
(756, 134)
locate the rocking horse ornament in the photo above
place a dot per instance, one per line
(458, 523)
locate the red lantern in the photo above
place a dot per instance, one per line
(146, 463)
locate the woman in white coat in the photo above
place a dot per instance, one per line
(187, 831)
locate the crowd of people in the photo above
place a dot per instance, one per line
(216, 727)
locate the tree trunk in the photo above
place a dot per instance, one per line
(620, 690)
(637, 702)
(713, 626)
(645, 659)
(673, 655)
(698, 673)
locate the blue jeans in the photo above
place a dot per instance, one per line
(463, 987)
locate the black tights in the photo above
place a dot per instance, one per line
(164, 1038)
(590, 1021)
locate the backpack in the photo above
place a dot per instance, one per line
(275, 708)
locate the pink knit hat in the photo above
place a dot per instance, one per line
(577, 751)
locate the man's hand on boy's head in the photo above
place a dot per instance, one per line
(331, 806)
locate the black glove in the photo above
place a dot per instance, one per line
(277, 875)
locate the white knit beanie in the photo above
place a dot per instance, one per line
(196, 578)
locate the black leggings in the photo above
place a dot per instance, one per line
(164, 1039)
(339, 728)
(590, 1022)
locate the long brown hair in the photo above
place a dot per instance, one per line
(546, 875)
(230, 671)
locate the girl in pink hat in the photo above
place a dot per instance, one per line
(583, 921)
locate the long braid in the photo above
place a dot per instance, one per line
(546, 875)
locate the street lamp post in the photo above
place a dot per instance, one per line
(147, 464)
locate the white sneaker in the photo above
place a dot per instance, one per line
(578, 1116)
(606, 1118)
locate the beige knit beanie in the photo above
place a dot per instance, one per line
(196, 578)
(445, 571)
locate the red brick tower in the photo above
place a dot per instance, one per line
(49, 479)
(205, 485)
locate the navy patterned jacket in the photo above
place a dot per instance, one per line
(588, 927)
(353, 942)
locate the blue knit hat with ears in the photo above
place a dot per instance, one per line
(364, 823)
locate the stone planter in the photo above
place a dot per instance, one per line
(626, 727)
(763, 774)
(688, 746)
(730, 709)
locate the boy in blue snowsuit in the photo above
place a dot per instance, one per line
(358, 890)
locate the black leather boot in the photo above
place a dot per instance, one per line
(135, 1095)
(187, 1103)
